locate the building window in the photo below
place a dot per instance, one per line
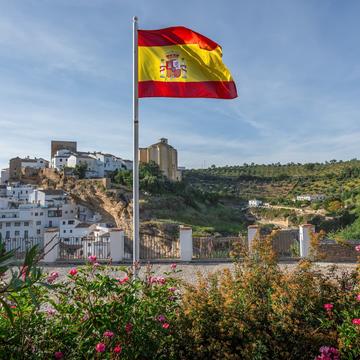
(17, 233)
(71, 222)
(70, 231)
(38, 231)
(7, 235)
(38, 223)
(26, 223)
(17, 224)
(41, 214)
(64, 222)
(64, 231)
(36, 214)
(8, 224)
(26, 234)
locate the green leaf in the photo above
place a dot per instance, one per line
(7, 310)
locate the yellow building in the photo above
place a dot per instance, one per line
(165, 156)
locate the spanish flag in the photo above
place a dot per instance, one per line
(179, 62)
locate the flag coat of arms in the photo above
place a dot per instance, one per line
(179, 62)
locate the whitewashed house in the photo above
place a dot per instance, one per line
(255, 203)
(81, 158)
(309, 197)
(60, 159)
(19, 192)
(4, 176)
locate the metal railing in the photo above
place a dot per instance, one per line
(80, 248)
(20, 245)
(286, 244)
(214, 247)
(153, 248)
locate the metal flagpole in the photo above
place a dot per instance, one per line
(136, 246)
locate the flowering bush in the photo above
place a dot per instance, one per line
(93, 314)
(258, 311)
(261, 312)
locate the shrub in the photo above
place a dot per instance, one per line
(258, 311)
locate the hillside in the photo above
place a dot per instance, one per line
(162, 203)
(279, 184)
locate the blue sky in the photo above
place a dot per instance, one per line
(66, 72)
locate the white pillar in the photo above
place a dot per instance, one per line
(252, 231)
(305, 232)
(51, 245)
(186, 243)
(117, 244)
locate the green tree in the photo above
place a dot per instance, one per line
(80, 170)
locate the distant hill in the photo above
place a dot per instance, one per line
(280, 184)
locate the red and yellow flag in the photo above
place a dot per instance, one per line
(178, 62)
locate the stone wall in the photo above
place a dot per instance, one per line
(334, 252)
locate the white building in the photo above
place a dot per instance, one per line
(81, 158)
(108, 163)
(255, 203)
(60, 159)
(48, 197)
(36, 163)
(308, 197)
(4, 177)
(98, 164)
(2, 191)
(19, 192)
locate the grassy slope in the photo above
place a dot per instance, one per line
(275, 182)
(204, 218)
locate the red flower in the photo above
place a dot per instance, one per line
(124, 279)
(117, 349)
(108, 334)
(100, 347)
(166, 325)
(58, 355)
(128, 328)
(92, 258)
(73, 272)
(328, 307)
(173, 266)
(356, 321)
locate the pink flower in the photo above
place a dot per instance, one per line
(58, 355)
(161, 280)
(51, 311)
(73, 272)
(358, 297)
(100, 347)
(124, 279)
(173, 266)
(108, 334)
(328, 353)
(96, 264)
(357, 248)
(328, 307)
(172, 289)
(117, 349)
(52, 277)
(92, 258)
(356, 321)
(165, 325)
(12, 306)
(128, 328)
(161, 318)
(23, 271)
